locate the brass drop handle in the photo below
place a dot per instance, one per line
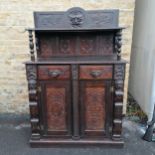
(96, 73)
(54, 73)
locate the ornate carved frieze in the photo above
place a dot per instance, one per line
(77, 18)
(76, 45)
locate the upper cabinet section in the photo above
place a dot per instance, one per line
(76, 34)
(75, 44)
(76, 18)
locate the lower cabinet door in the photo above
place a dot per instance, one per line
(55, 103)
(95, 108)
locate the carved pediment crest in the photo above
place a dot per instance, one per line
(76, 17)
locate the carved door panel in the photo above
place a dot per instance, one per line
(96, 108)
(56, 108)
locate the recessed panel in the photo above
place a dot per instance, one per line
(95, 108)
(56, 108)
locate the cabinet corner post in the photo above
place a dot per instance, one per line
(33, 104)
(119, 71)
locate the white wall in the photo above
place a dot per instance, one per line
(142, 65)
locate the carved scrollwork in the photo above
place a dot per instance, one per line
(87, 46)
(31, 72)
(119, 71)
(118, 44)
(65, 46)
(118, 104)
(119, 84)
(32, 86)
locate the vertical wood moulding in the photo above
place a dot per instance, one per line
(34, 111)
(119, 71)
(75, 100)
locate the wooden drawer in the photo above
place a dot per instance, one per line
(47, 72)
(95, 72)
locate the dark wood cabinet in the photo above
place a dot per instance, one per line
(76, 78)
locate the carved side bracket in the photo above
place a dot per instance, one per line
(31, 45)
(118, 101)
(34, 111)
(118, 43)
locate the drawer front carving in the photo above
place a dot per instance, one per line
(47, 72)
(95, 72)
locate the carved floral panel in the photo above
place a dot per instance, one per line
(56, 111)
(94, 108)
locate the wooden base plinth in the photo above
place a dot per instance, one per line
(75, 143)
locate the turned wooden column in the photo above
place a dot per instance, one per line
(31, 45)
(118, 43)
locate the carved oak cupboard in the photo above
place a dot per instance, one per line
(76, 78)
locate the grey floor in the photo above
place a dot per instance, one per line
(14, 141)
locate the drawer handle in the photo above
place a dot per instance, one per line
(96, 73)
(54, 73)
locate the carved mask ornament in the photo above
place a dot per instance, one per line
(76, 18)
